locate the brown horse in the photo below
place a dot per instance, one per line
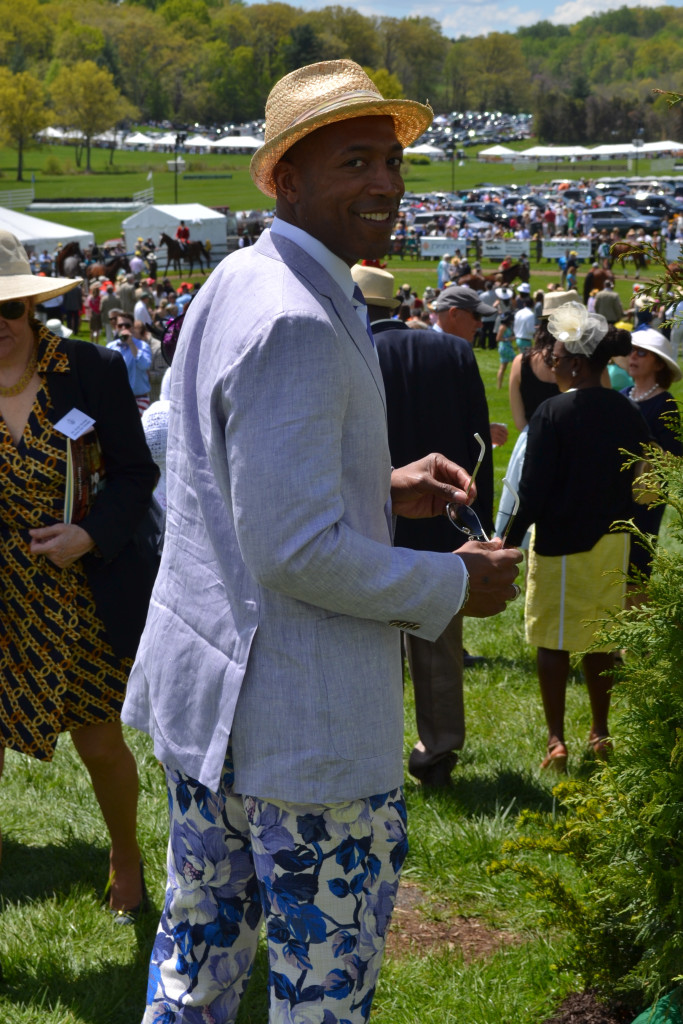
(69, 260)
(622, 251)
(480, 281)
(176, 253)
(109, 268)
(596, 279)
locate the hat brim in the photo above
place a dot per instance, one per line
(668, 360)
(30, 286)
(410, 118)
(381, 300)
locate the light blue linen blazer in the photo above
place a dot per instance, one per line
(273, 619)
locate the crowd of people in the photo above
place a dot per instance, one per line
(308, 539)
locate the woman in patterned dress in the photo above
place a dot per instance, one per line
(74, 584)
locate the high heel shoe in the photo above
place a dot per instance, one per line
(131, 914)
(556, 757)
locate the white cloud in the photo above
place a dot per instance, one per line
(575, 10)
(481, 18)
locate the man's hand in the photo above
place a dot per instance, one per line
(62, 543)
(424, 488)
(499, 434)
(492, 570)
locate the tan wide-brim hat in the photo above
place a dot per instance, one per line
(320, 94)
(16, 279)
(652, 341)
(552, 300)
(376, 285)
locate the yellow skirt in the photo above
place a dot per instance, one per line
(567, 594)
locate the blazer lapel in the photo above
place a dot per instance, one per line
(340, 308)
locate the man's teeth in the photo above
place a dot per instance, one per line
(374, 216)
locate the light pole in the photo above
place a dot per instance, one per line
(179, 139)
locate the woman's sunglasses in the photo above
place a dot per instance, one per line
(13, 309)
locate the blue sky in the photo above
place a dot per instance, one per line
(478, 17)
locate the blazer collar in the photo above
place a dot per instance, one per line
(340, 306)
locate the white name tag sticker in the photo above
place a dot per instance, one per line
(75, 424)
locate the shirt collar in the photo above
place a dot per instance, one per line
(335, 267)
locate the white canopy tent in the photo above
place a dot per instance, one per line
(203, 222)
(38, 234)
(138, 139)
(237, 142)
(498, 152)
(198, 142)
(435, 152)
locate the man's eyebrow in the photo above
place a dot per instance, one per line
(363, 147)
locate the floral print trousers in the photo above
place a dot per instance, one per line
(323, 877)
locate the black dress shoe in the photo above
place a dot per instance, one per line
(470, 660)
(438, 775)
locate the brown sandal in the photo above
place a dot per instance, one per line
(599, 747)
(556, 758)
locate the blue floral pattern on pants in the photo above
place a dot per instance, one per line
(324, 878)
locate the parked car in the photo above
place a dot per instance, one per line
(624, 218)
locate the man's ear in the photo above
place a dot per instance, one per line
(286, 180)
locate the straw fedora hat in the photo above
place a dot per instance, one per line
(376, 285)
(320, 94)
(652, 341)
(16, 279)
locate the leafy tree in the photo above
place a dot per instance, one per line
(389, 85)
(351, 34)
(488, 88)
(75, 41)
(189, 17)
(22, 111)
(25, 34)
(303, 47)
(86, 98)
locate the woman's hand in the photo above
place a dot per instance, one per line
(62, 543)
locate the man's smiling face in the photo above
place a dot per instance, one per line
(342, 184)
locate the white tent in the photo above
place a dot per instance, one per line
(138, 139)
(662, 147)
(502, 152)
(203, 222)
(38, 234)
(237, 142)
(198, 142)
(435, 152)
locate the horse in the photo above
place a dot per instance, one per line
(596, 279)
(109, 268)
(520, 270)
(69, 260)
(622, 251)
(191, 253)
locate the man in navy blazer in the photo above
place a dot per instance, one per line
(269, 672)
(435, 402)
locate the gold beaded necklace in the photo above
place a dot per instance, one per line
(23, 382)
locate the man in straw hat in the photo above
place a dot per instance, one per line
(270, 674)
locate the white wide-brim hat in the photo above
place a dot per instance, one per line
(57, 327)
(16, 279)
(504, 293)
(376, 285)
(652, 341)
(320, 94)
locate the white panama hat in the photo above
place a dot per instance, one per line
(16, 279)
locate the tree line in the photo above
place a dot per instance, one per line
(94, 64)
